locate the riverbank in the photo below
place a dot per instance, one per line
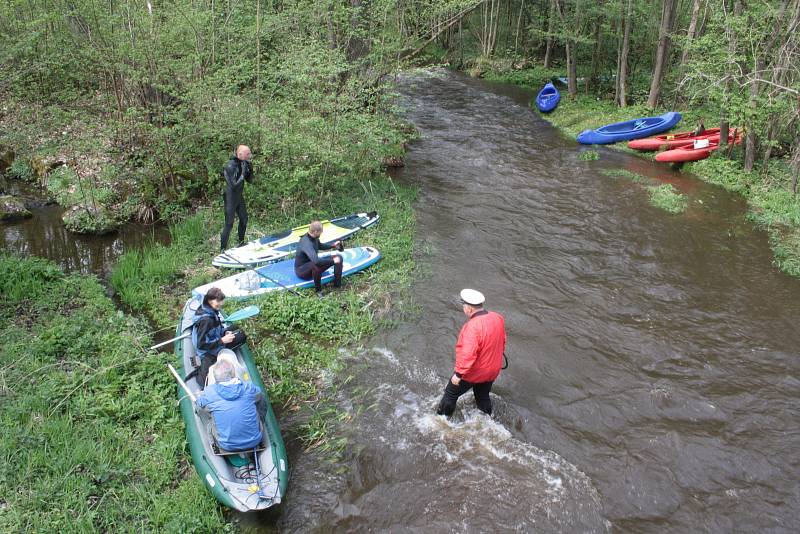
(295, 338)
(76, 378)
(772, 205)
(90, 437)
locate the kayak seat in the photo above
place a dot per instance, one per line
(229, 356)
(219, 451)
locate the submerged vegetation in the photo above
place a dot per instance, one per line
(667, 198)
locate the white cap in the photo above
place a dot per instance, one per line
(472, 297)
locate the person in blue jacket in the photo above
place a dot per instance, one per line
(210, 335)
(233, 404)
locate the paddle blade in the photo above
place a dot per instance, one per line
(242, 314)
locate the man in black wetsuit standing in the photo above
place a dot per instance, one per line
(308, 265)
(237, 171)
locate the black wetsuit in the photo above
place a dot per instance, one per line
(308, 265)
(236, 172)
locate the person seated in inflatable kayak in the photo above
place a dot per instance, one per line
(308, 265)
(209, 334)
(233, 404)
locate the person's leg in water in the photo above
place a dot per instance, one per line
(482, 399)
(450, 397)
(230, 213)
(241, 210)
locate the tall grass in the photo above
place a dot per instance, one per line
(90, 440)
(145, 279)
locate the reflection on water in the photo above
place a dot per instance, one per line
(44, 235)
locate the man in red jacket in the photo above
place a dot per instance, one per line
(479, 355)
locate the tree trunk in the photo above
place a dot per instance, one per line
(572, 71)
(662, 53)
(733, 44)
(690, 33)
(519, 25)
(548, 51)
(622, 74)
(759, 66)
(596, 54)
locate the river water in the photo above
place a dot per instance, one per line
(44, 235)
(653, 380)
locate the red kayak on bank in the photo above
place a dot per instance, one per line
(670, 141)
(699, 149)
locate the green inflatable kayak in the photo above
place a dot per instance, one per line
(238, 480)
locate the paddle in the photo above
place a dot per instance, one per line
(182, 383)
(236, 316)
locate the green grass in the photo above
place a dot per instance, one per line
(589, 155)
(149, 280)
(667, 198)
(90, 437)
(533, 77)
(21, 170)
(622, 173)
(295, 339)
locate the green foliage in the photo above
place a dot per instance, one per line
(87, 220)
(533, 77)
(589, 155)
(622, 173)
(89, 433)
(21, 170)
(62, 186)
(143, 277)
(667, 198)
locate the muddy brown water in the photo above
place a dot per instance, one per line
(653, 381)
(45, 236)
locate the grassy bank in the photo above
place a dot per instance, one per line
(296, 340)
(772, 204)
(90, 439)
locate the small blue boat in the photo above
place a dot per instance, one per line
(633, 129)
(548, 98)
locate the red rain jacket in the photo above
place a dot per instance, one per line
(480, 347)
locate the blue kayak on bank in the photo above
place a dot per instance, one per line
(633, 129)
(548, 98)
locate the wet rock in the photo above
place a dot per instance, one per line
(12, 208)
(89, 219)
(42, 165)
(7, 156)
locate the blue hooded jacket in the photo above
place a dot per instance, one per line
(234, 409)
